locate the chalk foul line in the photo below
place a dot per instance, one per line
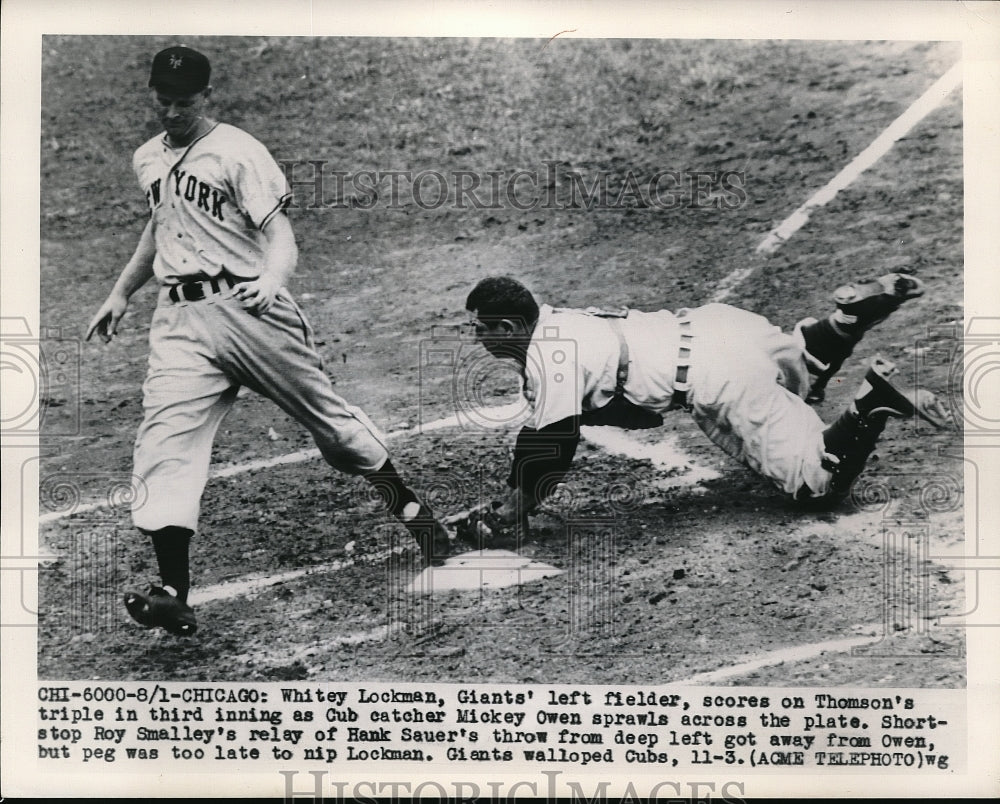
(879, 147)
(662, 455)
(797, 653)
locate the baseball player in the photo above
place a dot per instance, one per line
(222, 249)
(742, 379)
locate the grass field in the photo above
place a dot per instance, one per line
(701, 575)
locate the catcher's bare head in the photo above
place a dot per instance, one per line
(505, 315)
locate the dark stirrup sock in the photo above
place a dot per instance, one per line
(172, 545)
(390, 487)
(828, 343)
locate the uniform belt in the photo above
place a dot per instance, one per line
(196, 291)
(681, 384)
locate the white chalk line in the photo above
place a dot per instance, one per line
(254, 582)
(247, 584)
(797, 653)
(664, 455)
(879, 147)
(289, 458)
(494, 418)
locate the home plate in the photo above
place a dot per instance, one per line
(491, 569)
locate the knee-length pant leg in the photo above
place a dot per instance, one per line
(185, 398)
(274, 354)
(738, 401)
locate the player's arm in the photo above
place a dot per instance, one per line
(280, 256)
(541, 459)
(136, 273)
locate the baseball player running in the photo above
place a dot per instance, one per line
(743, 380)
(221, 247)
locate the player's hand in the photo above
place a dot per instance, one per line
(258, 295)
(105, 322)
(506, 512)
(464, 517)
(501, 522)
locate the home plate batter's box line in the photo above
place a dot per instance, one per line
(662, 455)
(797, 653)
(737, 668)
(880, 146)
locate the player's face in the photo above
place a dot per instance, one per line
(501, 337)
(488, 332)
(179, 114)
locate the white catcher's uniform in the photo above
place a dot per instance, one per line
(747, 381)
(209, 204)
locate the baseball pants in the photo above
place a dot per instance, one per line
(748, 381)
(201, 353)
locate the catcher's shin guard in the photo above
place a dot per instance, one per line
(826, 349)
(851, 438)
(860, 306)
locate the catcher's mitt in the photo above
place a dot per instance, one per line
(483, 527)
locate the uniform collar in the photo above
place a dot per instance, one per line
(166, 140)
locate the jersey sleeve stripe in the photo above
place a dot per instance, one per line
(282, 203)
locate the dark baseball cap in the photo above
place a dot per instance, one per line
(181, 70)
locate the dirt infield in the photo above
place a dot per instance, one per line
(670, 568)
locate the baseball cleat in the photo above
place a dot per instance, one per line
(867, 303)
(160, 609)
(877, 396)
(433, 539)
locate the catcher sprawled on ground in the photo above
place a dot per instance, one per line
(745, 382)
(222, 248)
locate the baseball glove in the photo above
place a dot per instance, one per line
(483, 526)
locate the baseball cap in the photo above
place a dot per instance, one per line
(180, 69)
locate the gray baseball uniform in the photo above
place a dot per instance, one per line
(210, 202)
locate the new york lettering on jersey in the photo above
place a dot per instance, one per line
(209, 208)
(208, 198)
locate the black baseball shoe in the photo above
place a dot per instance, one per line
(158, 608)
(862, 305)
(877, 397)
(435, 541)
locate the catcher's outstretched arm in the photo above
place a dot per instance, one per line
(542, 457)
